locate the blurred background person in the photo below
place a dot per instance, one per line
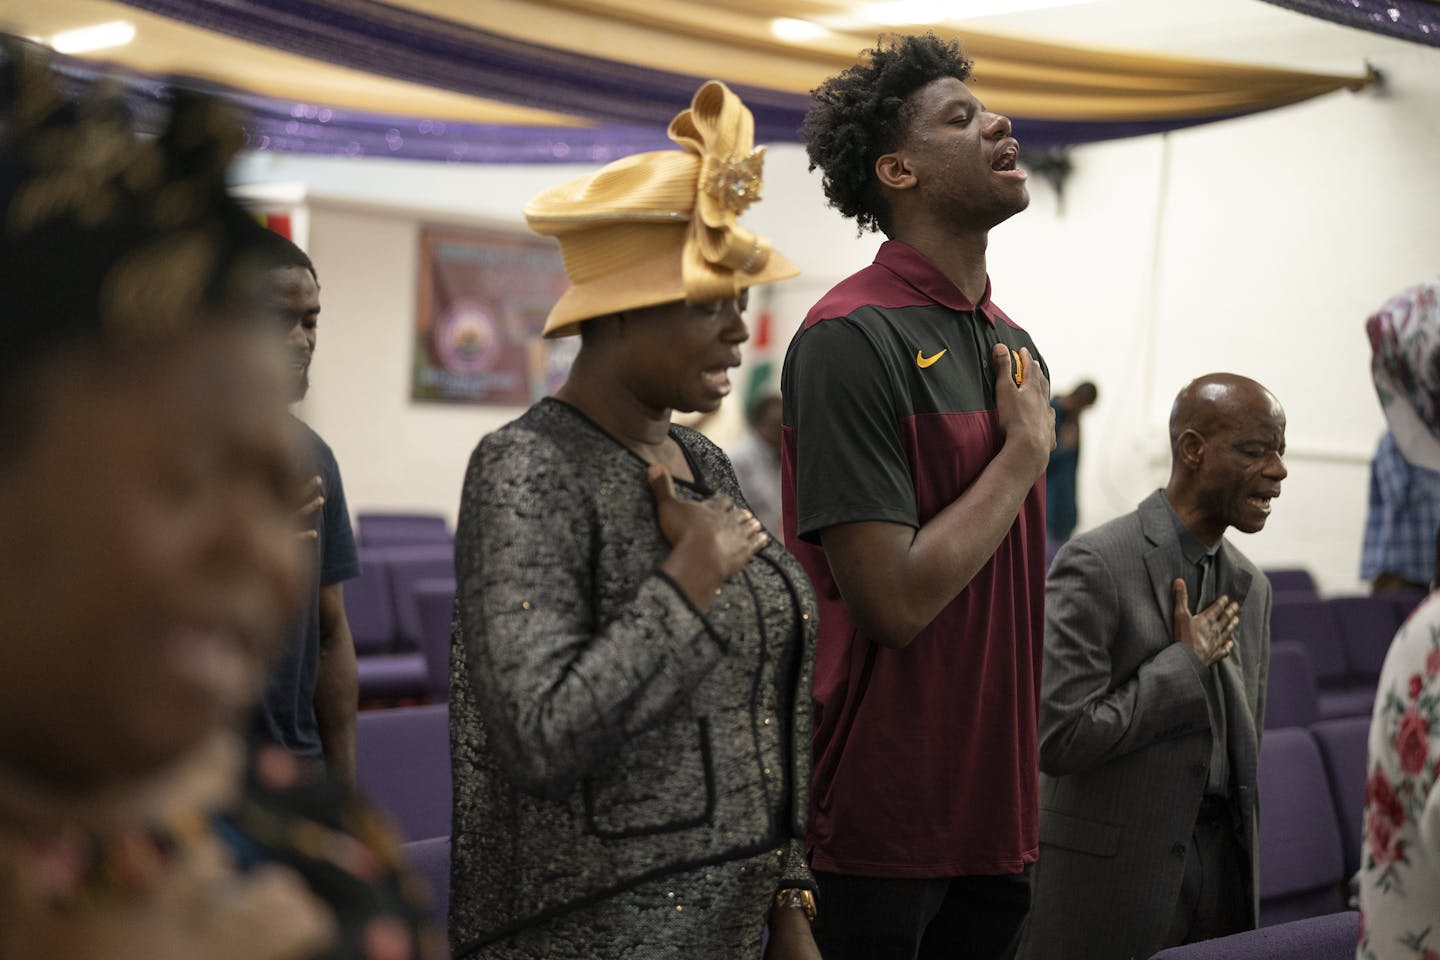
(149, 563)
(1061, 476)
(1398, 552)
(756, 459)
(631, 666)
(311, 697)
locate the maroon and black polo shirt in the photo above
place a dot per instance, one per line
(925, 758)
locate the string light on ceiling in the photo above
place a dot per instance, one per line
(101, 36)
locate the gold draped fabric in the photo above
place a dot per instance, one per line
(723, 39)
(731, 40)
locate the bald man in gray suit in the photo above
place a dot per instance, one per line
(1157, 645)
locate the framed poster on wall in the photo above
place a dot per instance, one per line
(483, 297)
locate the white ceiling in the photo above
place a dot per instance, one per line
(1248, 31)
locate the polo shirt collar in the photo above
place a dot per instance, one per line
(912, 266)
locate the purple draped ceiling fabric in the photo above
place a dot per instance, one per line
(631, 105)
(1417, 20)
(404, 44)
(288, 127)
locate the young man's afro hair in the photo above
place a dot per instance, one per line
(863, 113)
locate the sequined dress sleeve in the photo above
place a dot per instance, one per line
(559, 691)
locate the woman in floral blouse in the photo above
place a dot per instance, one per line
(1400, 871)
(1400, 876)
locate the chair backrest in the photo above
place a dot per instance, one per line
(1301, 861)
(430, 859)
(370, 604)
(436, 599)
(1329, 937)
(402, 764)
(1311, 622)
(1291, 580)
(1367, 625)
(408, 565)
(1344, 747)
(395, 529)
(1405, 604)
(1291, 698)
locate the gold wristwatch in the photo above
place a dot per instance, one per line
(797, 898)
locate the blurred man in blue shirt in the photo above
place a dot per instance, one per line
(1061, 512)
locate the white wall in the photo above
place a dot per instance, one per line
(1257, 245)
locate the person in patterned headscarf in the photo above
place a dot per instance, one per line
(1400, 859)
(1398, 551)
(630, 686)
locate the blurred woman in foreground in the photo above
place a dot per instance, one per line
(148, 562)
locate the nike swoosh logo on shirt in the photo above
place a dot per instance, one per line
(923, 361)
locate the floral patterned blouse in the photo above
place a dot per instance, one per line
(1400, 867)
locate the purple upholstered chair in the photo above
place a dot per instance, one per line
(1330, 937)
(1367, 625)
(370, 605)
(391, 676)
(1405, 604)
(1302, 865)
(436, 600)
(1291, 580)
(1291, 699)
(407, 566)
(402, 764)
(394, 529)
(430, 859)
(1344, 745)
(1313, 623)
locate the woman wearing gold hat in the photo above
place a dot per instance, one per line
(630, 711)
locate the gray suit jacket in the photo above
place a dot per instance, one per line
(1125, 737)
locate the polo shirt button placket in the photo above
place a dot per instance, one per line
(1178, 851)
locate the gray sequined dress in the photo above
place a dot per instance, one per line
(630, 776)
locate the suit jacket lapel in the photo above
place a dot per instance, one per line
(1164, 558)
(1236, 584)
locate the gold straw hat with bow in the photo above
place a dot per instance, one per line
(663, 226)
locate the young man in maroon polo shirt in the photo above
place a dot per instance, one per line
(917, 429)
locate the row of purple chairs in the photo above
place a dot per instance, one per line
(392, 623)
(1345, 640)
(1329, 937)
(402, 765)
(1312, 800)
(430, 859)
(400, 529)
(1312, 785)
(400, 610)
(1291, 582)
